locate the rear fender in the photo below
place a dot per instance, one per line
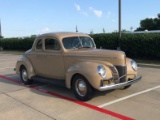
(24, 61)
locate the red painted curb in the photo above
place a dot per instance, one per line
(108, 112)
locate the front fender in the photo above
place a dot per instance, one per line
(24, 61)
(89, 70)
(130, 70)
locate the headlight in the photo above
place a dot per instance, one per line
(101, 71)
(134, 65)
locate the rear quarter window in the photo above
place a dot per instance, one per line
(51, 44)
(39, 45)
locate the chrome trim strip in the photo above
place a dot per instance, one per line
(75, 55)
(48, 54)
(111, 78)
(119, 85)
(126, 76)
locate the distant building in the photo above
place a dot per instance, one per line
(145, 31)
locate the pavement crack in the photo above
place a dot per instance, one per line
(29, 106)
(16, 90)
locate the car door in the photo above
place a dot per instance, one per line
(53, 61)
(47, 59)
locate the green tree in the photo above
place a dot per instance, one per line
(159, 15)
(150, 24)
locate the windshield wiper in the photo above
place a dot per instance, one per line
(84, 47)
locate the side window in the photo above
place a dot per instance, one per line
(39, 45)
(51, 44)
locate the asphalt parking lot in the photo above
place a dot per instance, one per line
(47, 102)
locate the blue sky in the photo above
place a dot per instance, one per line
(31, 17)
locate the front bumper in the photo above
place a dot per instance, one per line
(119, 85)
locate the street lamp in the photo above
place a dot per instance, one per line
(119, 37)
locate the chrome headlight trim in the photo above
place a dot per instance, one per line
(101, 71)
(134, 65)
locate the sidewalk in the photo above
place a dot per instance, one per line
(148, 65)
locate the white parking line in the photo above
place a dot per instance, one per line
(5, 62)
(11, 75)
(8, 58)
(6, 68)
(124, 98)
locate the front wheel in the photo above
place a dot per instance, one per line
(126, 87)
(82, 88)
(24, 76)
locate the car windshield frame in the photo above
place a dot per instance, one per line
(78, 42)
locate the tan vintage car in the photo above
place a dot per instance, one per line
(72, 60)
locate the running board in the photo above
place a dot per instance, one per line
(49, 80)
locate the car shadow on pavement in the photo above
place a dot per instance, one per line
(102, 93)
(63, 91)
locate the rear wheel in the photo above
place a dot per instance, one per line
(24, 76)
(82, 88)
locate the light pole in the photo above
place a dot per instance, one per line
(0, 30)
(119, 36)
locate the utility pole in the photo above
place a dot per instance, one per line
(76, 29)
(119, 36)
(1, 48)
(0, 30)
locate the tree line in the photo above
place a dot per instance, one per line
(150, 24)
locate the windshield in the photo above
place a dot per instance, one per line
(77, 42)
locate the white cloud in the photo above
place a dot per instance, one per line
(46, 29)
(153, 17)
(98, 13)
(84, 13)
(77, 7)
(109, 13)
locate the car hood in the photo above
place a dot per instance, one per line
(113, 56)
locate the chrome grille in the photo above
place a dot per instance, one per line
(114, 74)
(122, 70)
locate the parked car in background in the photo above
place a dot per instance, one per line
(72, 60)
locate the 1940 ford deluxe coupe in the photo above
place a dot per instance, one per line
(72, 60)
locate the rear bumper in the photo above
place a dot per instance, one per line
(119, 85)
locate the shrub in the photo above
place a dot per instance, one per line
(17, 43)
(143, 46)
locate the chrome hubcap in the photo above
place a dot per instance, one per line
(81, 87)
(24, 75)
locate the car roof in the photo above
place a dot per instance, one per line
(63, 34)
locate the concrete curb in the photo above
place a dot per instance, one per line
(148, 65)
